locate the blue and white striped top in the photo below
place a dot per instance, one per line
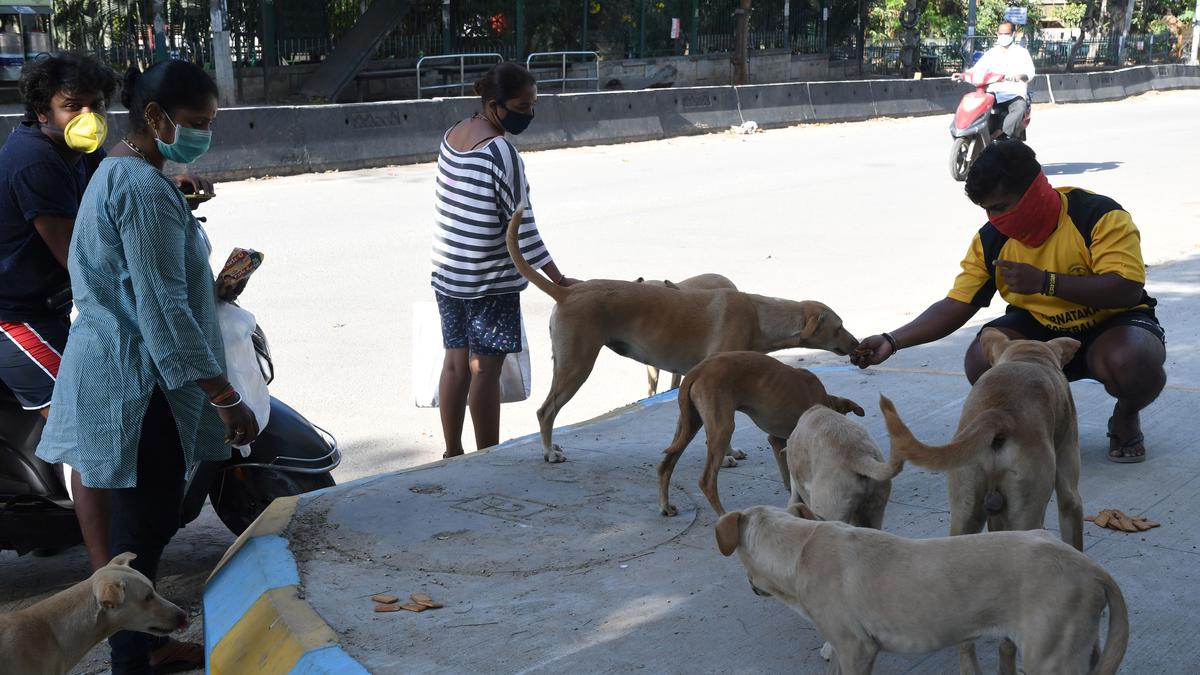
(147, 318)
(477, 193)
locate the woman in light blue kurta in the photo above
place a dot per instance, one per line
(141, 394)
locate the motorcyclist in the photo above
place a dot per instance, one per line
(1012, 61)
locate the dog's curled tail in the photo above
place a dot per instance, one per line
(976, 435)
(875, 469)
(535, 277)
(1118, 628)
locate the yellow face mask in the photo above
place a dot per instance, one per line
(86, 133)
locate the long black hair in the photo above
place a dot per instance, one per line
(171, 84)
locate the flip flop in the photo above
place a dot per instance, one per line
(1115, 444)
(176, 656)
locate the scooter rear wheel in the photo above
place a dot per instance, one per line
(240, 494)
(963, 153)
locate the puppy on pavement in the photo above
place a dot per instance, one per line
(671, 329)
(700, 282)
(868, 591)
(774, 395)
(838, 470)
(53, 635)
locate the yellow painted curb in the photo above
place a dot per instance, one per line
(277, 630)
(272, 521)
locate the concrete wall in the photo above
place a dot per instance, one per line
(278, 140)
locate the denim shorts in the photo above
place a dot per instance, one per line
(487, 325)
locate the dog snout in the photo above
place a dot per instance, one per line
(758, 591)
(181, 620)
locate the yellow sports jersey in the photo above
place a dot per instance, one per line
(1094, 236)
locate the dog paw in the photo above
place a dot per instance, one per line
(555, 456)
(669, 510)
(737, 454)
(729, 461)
(827, 651)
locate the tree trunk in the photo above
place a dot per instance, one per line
(1085, 24)
(741, 43)
(862, 33)
(910, 21)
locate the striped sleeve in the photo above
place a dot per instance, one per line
(512, 192)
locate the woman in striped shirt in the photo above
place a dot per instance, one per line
(480, 184)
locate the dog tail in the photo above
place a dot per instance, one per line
(983, 431)
(876, 470)
(535, 277)
(1118, 628)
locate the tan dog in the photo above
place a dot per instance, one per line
(1017, 442)
(773, 394)
(837, 470)
(53, 635)
(868, 591)
(700, 282)
(663, 327)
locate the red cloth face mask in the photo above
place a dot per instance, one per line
(1033, 218)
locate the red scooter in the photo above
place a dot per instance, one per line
(977, 123)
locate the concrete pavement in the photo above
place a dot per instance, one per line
(570, 568)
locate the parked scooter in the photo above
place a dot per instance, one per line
(977, 123)
(290, 456)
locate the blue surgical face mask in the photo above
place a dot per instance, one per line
(188, 146)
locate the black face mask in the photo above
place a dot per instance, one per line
(515, 122)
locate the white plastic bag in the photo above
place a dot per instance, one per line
(429, 354)
(241, 363)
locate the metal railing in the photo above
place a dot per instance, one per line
(446, 71)
(561, 57)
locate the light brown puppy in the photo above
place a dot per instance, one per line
(671, 329)
(1017, 443)
(837, 470)
(868, 591)
(700, 282)
(53, 635)
(774, 395)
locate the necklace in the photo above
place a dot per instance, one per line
(134, 148)
(495, 126)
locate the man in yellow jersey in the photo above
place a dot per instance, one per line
(1068, 262)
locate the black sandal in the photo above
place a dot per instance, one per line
(1117, 447)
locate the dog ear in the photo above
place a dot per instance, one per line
(123, 559)
(729, 533)
(670, 284)
(845, 406)
(639, 280)
(812, 324)
(1066, 349)
(993, 342)
(110, 594)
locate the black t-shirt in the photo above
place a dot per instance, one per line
(35, 180)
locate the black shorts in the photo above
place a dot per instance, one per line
(1021, 321)
(30, 354)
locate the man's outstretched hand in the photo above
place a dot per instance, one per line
(871, 352)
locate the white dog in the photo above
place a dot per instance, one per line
(868, 591)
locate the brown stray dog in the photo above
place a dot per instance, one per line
(837, 470)
(868, 591)
(1017, 442)
(773, 394)
(53, 635)
(670, 329)
(700, 282)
